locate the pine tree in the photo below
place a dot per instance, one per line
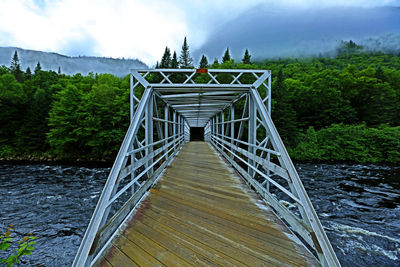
(157, 65)
(166, 59)
(246, 58)
(28, 73)
(185, 61)
(59, 70)
(38, 68)
(226, 56)
(215, 64)
(174, 61)
(15, 62)
(15, 67)
(203, 62)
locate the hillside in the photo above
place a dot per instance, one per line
(69, 65)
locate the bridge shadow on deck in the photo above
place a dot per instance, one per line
(202, 213)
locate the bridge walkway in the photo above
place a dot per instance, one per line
(201, 213)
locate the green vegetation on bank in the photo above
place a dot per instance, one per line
(340, 142)
(341, 108)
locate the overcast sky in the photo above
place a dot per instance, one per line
(130, 28)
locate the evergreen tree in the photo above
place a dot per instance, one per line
(226, 56)
(15, 62)
(283, 114)
(15, 67)
(157, 65)
(174, 61)
(246, 58)
(166, 59)
(185, 61)
(59, 70)
(38, 68)
(28, 73)
(203, 62)
(215, 61)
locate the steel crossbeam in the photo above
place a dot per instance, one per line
(164, 105)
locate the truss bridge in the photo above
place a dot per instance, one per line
(203, 178)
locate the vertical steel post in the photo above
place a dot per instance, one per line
(149, 133)
(216, 126)
(179, 126)
(269, 92)
(166, 129)
(222, 129)
(251, 133)
(232, 127)
(174, 125)
(212, 126)
(132, 99)
(132, 111)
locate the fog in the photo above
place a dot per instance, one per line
(286, 32)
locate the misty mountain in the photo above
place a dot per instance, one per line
(69, 65)
(271, 32)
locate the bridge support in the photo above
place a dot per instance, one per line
(173, 100)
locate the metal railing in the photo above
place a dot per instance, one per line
(255, 149)
(165, 104)
(155, 135)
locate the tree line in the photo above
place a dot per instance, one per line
(185, 61)
(345, 107)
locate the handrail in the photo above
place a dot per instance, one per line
(140, 158)
(276, 180)
(160, 125)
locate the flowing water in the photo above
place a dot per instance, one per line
(359, 206)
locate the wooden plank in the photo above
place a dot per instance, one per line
(201, 213)
(246, 243)
(117, 258)
(135, 253)
(185, 247)
(151, 247)
(237, 252)
(272, 244)
(102, 262)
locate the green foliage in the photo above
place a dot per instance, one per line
(166, 59)
(185, 60)
(227, 56)
(25, 247)
(174, 61)
(340, 142)
(283, 114)
(203, 62)
(15, 67)
(12, 105)
(315, 102)
(246, 57)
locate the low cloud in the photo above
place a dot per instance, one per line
(289, 32)
(139, 29)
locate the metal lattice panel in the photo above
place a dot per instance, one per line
(234, 107)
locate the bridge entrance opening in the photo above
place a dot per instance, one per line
(196, 133)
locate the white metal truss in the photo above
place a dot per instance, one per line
(165, 104)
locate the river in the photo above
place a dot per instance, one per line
(359, 206)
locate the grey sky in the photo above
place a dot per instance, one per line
(132, 28)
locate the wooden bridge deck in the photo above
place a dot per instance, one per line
(201, 213)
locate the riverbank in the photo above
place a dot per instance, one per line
(338, 143)
(348, 143)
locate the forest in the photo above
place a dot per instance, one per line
(342, 108)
